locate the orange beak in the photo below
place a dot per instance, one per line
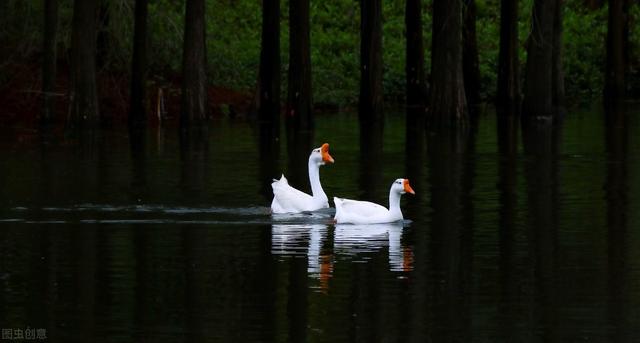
(407, 187)
(325, 153)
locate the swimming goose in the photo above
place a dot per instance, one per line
(287, 199)
(365, 212)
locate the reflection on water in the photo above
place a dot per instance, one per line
(356, 241)
(519, 232)
(540, 142)
(617, 195)
(351, 242)
(371, 147)
(452, 234)
(305, 241)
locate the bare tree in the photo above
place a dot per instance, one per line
(448, 105)
(49, 60)
(84, 95)
(194, 61)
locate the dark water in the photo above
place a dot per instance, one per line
(527, 236)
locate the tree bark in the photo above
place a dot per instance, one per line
(49, 61)
(447, 97)
(371, 99)
(541, 81)
(470, 59)
(194, 61)
(102, 44)
(270, 63)
(614, 88)
(593, 4)
(416, 86)
(84, 95)
(138, 109)
(299, 103)
(557, 73)
(508, 64)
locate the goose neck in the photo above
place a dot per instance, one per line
(314, 180)
(394, 201)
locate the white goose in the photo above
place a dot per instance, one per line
(365, 212)
(287, 199)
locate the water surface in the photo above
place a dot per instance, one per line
(512, 236)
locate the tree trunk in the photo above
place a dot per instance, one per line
(84, 95)
(299, 103)
(447, 97)
(138, 110)
(194, 83)
(416, 86)
(614, 88)
(370, 102)
(538, 91)
(508, 64)
(270, 63)
(626, 35)
(593, 4)
(470, 60)
(557, 73)
(49, 61)
(102, 44)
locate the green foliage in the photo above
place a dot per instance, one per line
(488, 36)
(584, 52)
(394, 49)
(166, 28)
(233, 43)
(334, 53)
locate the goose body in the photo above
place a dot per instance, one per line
(365, 212)
(287, 199)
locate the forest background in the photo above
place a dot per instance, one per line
(233, 30)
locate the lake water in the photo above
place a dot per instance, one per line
(516, 237)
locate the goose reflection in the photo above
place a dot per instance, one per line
(353, 240)
(304, 240)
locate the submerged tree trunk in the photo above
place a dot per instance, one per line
(470, 60)
(614, 88)
(194, 83)
(299, 103)
(451, 181)
(508, 65)
(540, 142)
(447, 98)
(49, 61)
(371, 101)
(416, 86)
(544, 85)
(270, 63)
(138, 109)
(84, 94)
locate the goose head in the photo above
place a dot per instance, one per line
(321, 155)
(402, 186)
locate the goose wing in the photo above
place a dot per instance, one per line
(288, 199)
